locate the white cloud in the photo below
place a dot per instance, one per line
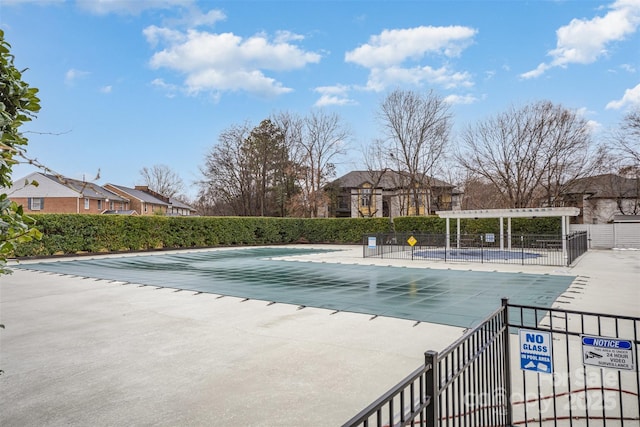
(386, 53)
(197, 19)
(287, 36)
(628, 68)
(460, 99)
(106, 89)
(228, 62)
(585, 41)
(393, 47)
(631, 97)
(72, 75)
(488, 75)
(129, 7)
(381, 78)
(169, 89)
(155, 35)
(333, 95)
(593, 125)
(536, 72)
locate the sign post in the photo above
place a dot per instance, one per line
(536, 351)
(412, 242)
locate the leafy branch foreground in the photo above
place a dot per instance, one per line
(18, 105)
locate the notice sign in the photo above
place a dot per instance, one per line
(607, 352)
(372, 242)
(412, 241)
(535, 351)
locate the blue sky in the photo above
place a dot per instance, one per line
(131, 83)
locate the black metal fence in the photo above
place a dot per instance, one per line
(577, 244)
(472, 383)
(437, 393)
(596, 384)
(491, 248)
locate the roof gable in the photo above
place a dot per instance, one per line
(46, 187)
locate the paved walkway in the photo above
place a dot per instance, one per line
(81, 351)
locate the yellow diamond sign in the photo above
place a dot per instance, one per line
(412, 241)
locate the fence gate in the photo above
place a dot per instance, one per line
(523, 365)
(587, 376)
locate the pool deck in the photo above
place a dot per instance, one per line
(121, 354)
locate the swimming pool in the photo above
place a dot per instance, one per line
(451, 297)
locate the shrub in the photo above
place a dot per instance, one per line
(73, 233)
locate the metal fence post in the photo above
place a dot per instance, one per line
(507, 362)
(432, 385)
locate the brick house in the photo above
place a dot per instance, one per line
(147, 202)
(141, 199)
(59, 194)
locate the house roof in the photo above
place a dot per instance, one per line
(606, 186)
(178, 204)
(382, 179)
(59, 186)
(87, 189)
(140, 195)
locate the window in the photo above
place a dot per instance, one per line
(365, 197)
(99, 205)
(111, 205)
(36, 203)
(343, 202)
(86, 203)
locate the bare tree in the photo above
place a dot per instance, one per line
(226, 173)
(246, 173)
(626, 141)
(530, 154)
(324, 140)
(162, 180)
(481, 194)
(417, 128)
(292, 128)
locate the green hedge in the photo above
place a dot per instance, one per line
(74, 234)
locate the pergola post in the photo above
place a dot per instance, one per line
(501, 233)
(509, 232)
(447, 244)
(565, 255)
(458, 233)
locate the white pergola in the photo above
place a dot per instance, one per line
(564, 213)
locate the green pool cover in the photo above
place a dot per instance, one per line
(458, 298)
